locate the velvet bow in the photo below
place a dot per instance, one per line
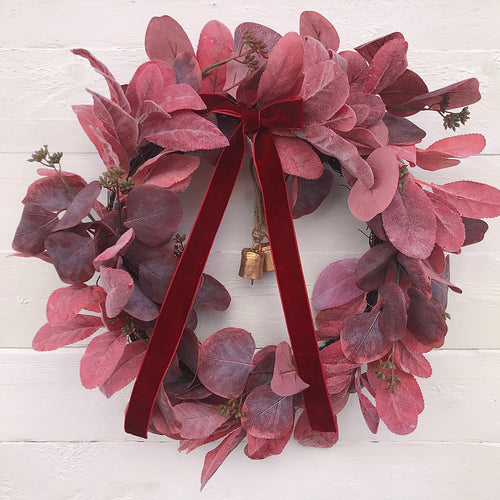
(286, 113)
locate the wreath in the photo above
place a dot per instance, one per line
(303, 114)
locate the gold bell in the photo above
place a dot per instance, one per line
(252, 264)
(268, 257)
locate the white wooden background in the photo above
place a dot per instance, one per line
(60, 441)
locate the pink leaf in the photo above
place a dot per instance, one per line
(364, 202)
(213, 294)
(314, 53)
(407, 86)
(414, 345)
(51, 192)
(259, 448)
(72, 255)
(453, 96)
(334, 360)
(410, 221)
(329, 330)
(118, 285)
(343, 120)
(198, 420)
(225, 361)
(308, 194)
(298, 158)
(154, 213)
(110, 150)
(393, 317)
(403, 132)
(338, 401)
(357, 68)
(417, 273)
(306, 436)
(117, 122)
(115, 88)
(184, 131)
(164, 419)
(399, 409)
(368, 137)
(180, 96)
(141, 307)
(149, 83)
(434, 160)
(284, 67)
(388, 63)
(126, 369)
(79, 327)
(369, 109)
(165, 39)
(155, 275)
(368, 409)
(325, 89)
(65, 303)
(371, 268)
(336, 285)
(437, 260)
(286, 380)
(459, 146)
(166, 169)
(338, 382)
(450, 233)
(267, 415)
(36, 223)
(215, 457)
(471, 199)
(411, 362)
(316, 26)
(189, 445)
(475, 229)
(215, 44)
(442, 154)
(187, 70)
(264, 368)
(109, 257)
(369, 49)
(80, 207)
(425, 321)
(259, 31)
(340, 313)
(330, 143)
(361, 338)
(101, 357)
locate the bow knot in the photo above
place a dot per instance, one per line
(251, 119)
(284, 113)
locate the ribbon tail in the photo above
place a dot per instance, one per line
(180, 296)
(291, 283)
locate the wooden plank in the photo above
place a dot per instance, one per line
(330, 228)
(426, 24)
(352, 471)
(257, 308)
(331, 233)
(45, 387)
(39, 87)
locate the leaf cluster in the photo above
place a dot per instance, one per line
(378, 314)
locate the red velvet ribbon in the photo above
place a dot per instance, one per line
(180, 296)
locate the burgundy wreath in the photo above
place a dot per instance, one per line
(305, 113)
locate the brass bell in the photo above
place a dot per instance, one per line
(268, 257)
(252, 264)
